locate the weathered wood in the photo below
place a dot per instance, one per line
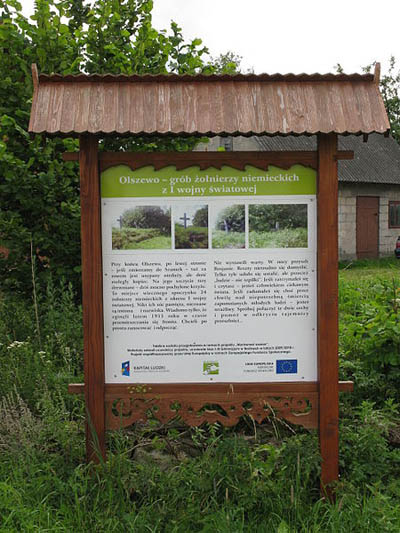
(328, 367)
(377, 73)
(207, 159)
(306, 158)
(70, 156)
(344, 154)
(92, 289)
(221, 388)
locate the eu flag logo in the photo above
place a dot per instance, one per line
(286, 366)
(125, 370)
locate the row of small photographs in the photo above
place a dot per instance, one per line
(149, 227)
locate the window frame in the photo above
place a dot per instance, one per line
(390, 204)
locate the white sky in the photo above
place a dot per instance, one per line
(288, 35)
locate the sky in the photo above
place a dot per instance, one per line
(288, 35)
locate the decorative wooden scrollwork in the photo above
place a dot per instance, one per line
(295, 408)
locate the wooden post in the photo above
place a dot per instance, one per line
(92, 291)
(328, 365)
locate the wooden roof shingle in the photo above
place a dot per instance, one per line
(207, 105)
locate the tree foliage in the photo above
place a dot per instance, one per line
(200, 218)
(39, 193)
(266, 217)
(231, 218)
(151, 216)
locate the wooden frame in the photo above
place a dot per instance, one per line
(392, 203)
(310, 404)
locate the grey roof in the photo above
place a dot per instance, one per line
(375, 161)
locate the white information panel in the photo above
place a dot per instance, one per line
(209, 276)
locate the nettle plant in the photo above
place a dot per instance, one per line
(375, 325)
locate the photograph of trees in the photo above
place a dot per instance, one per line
(278, 226)
(191, 226)
(228, 227)
(143, 227)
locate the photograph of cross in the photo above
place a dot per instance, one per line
(120, 222)
(185, 219)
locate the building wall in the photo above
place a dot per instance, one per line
(348, 193)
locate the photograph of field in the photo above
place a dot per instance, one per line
(146, 227)
(228, 226)
(278, 226)
(191, 226)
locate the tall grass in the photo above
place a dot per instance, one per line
(231, 239)
(284, 238)
(172, 478)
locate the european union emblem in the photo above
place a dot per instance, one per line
(126, 369)
(286, 366)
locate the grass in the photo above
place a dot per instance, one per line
(387, 267)
(170, 478)
(284, 238)
(231, 239)
(140, 239)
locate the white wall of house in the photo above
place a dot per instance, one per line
(348, 193)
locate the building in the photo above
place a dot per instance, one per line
(369, 187)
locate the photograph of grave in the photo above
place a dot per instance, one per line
(278, 226)
(144, 227)
(191, 226)
(228, 225)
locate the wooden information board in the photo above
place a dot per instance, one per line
(191, 324)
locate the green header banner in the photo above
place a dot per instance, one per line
(121, 181)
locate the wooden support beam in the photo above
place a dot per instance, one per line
(92, 290)
(344, 386)
(327, 256)
(344, 154)
(302, 157)
(70, 156)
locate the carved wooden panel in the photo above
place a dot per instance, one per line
(296, 408)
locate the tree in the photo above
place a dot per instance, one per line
(200, 218)
(228, 63)
(148, 217)
(39, 193)
(266, 217)
(231, 218)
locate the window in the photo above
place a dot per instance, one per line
(227, 143)
(394, 214)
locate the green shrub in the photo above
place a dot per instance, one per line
(191, 238)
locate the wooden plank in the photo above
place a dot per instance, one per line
(201, 388)
(206, 159)
(344, 154)
(92, 290)
(327, 254)
(70, 156)
(307, 158)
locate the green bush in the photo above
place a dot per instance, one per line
(192, 237)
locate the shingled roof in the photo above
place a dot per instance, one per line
(207, 105)
(375, 161)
